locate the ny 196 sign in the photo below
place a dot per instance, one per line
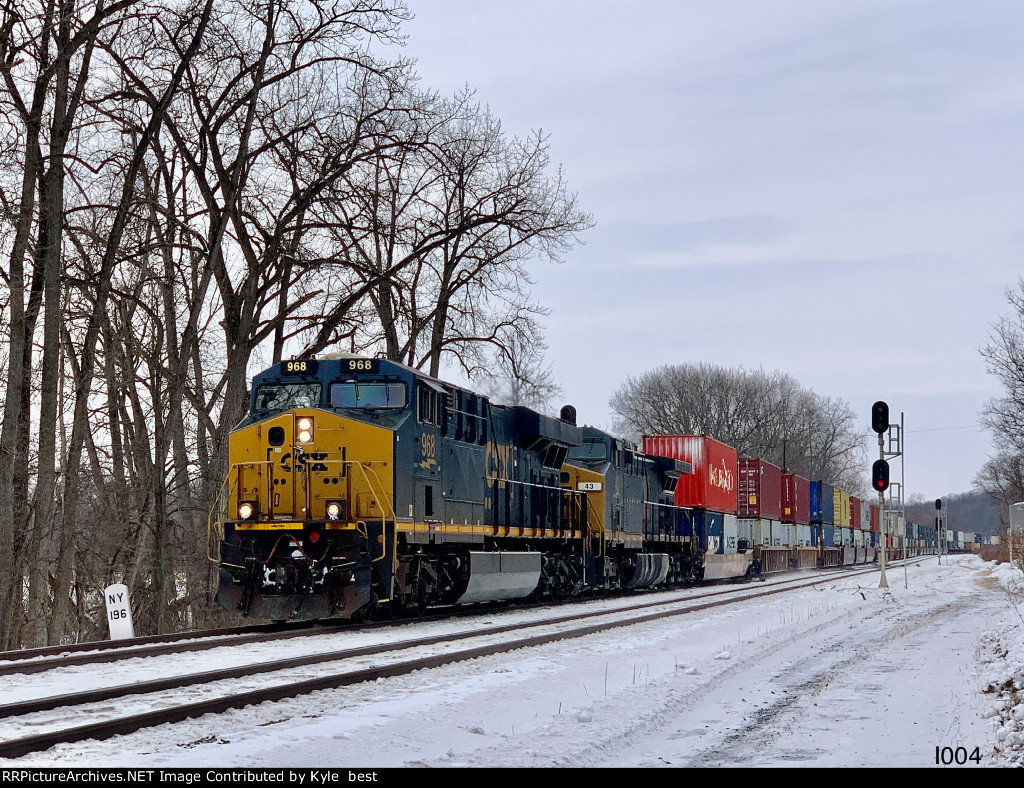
(119, 612)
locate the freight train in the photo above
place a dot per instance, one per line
(358, 484)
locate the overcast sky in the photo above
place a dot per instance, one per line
(829, 189)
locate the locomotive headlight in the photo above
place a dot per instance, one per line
(333, 510)
(305, 430)
(246, 510)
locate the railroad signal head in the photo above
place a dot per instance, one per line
(880, 417)
(938, 503)
(880, 476)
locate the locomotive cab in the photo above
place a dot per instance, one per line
(305, 516)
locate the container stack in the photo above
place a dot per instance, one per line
(759, 502)
(710, 492)
(796, 514)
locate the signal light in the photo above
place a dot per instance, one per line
(880, 476)
(880, 417)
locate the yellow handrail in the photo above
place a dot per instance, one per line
(220, 506)
(219, 509)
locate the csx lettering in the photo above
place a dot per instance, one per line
(316, 458)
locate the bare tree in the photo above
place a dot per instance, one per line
(760, 414)
(186, 187)
(439, 235)
(1002, 476)
(1004, 358)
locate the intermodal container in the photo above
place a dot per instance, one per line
(876, 525)
(842, 504)
(708, 527)
(865, 516)
(855, 506)
(796, 499)
(822, 505)
(760, 489)
(712, 485)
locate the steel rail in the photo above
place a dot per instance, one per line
(50, 657)
(103, 730)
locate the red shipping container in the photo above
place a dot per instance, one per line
(796, 499)
(760, 489)
(855, 504)
(712, 485)
(876, 525)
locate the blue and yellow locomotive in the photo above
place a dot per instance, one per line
(359, 482)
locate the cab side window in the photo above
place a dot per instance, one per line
(427, 405)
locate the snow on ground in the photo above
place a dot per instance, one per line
(846, 674)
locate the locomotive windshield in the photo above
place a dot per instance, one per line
(590, 450)
(271, 399)
(368, 394)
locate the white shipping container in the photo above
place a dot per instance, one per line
(730, 532)
(746, 529)
(768, 532)
(788, 535)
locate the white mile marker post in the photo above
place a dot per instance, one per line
(119, 612)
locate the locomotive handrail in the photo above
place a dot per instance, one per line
(221, 503)
(520, 481)
(383, 521)
(588, 528)
(365, 466)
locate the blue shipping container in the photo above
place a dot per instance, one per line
(708, 528)
(823, 504)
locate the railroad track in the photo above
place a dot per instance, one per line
(61, 715)
(38, 660)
